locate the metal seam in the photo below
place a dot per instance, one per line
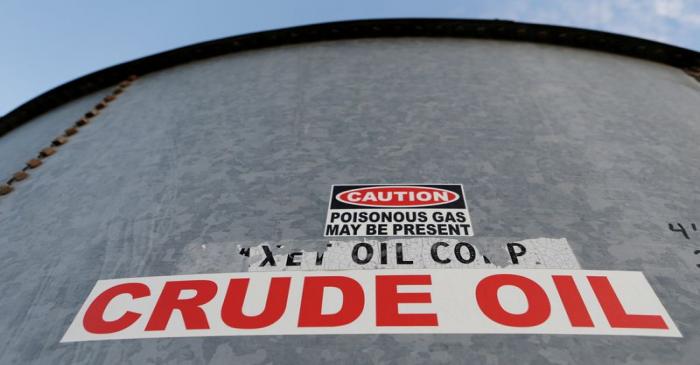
(64, 138)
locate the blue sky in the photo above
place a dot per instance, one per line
(47, 43)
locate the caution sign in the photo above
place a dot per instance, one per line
(373, 302)
(398, 210)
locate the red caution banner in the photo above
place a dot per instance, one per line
(573, 302)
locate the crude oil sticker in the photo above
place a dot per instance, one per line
(415, 253)
(373, 302)
(399, 210)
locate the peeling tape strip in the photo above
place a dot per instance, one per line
(414, 253)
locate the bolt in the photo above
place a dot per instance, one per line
(20, 175)
(5, 189)
(34, 163)
(46, 152)
(92, 113)
(81, 122)
(59, 141)
(101, 105)
(71, 131)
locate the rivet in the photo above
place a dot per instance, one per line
(117, 91)
(92, 113)
(132, 77)
(34, 163)
(109, 98)
(82, 121)
(124, 84)
(20, 175)
(5, 189)
(59, 141)
(71, 131)
(101, 105)
(48, 151)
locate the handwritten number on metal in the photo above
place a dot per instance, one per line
(682, 229)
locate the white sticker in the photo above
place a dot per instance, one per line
(580, 302)
(400, 210)
(414, 253)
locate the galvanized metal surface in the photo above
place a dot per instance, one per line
(548, 142)
(355, 29)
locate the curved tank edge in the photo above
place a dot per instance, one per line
(683, 58)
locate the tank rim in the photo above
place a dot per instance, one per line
(356, 29)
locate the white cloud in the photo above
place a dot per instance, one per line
(677, 10)
(633, 17)
(671, 21)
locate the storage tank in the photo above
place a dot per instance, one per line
(388, 191)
